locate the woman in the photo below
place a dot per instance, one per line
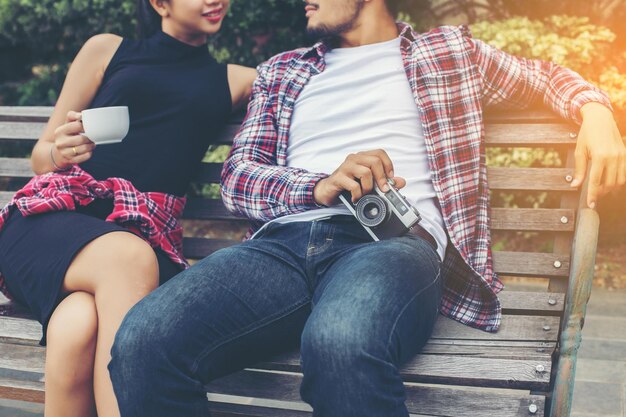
(78, 273)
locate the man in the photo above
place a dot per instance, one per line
(373, 101)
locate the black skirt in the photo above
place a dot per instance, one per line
(36, 252)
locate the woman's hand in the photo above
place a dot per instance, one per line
(70, 146)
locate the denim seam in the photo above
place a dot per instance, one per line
(246, 330)
(395, 324)
(328, 240)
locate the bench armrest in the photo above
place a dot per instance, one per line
(578, 293)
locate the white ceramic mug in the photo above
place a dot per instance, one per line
(106, 124)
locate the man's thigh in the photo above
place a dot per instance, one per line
(384, 294)
(227, 310)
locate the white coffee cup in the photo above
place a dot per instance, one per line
(106, 124)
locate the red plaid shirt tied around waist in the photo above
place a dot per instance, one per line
(453, 78)
(153, 216)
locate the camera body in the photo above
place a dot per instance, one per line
(383, 215)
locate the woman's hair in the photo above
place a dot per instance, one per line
(148, 20)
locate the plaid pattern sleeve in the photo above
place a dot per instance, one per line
(518, 82)
(254, 183)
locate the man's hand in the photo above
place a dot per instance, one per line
(357, 174)
(600, 141)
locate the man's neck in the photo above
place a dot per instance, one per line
(373, 26)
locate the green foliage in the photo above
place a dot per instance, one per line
(569, 41)
(257, 29)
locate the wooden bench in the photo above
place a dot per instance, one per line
(526, 369)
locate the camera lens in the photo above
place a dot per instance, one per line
(371, 210)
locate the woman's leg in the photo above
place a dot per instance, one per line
(71, 339)
(118, 269)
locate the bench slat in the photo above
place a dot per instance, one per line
(21, 131)
(514, 328)
(23, 358)
(5, 197)
(529, 135)
(534, 179)
(15, 168)
(430, 366)
(25, 113)
(281, 390)
(531, 264)
(504, 135)
(501, 219)
(556, 220)
(22, 390)
(456, 370)
(531, 303)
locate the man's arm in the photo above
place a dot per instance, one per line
(252, 183)
(519, 82)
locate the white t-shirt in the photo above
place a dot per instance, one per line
(363, 101)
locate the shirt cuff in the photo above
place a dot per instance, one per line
(585, 97)
(301, 194)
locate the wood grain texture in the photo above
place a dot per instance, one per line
(259, 389)
(5, 197)
(22, 390)
(551, 220)
(530, 179)
(529, 135)
(531, 264)
(25, 113)
(15, 168)
(21, 131)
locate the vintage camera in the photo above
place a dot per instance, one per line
(383, 215)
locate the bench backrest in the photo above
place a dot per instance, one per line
(538, 229)
(552, 226)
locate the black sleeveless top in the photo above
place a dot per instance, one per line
(178, 100)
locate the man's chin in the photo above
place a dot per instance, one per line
(318, 31)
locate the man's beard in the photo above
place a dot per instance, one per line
(331, 32)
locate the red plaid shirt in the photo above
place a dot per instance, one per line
(153, 216)
(453, 78)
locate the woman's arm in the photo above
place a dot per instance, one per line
(61, 145)
(240, 81)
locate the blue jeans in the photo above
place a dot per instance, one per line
(358, 308)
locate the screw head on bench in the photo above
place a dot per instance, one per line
(540, 369)
(569, 178)
(557, 264)
(532, 409)
(564, 220)
(573, 135)
(551, 301)
(546, 328)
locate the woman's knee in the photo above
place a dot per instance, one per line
(117, 257)
(73, 327)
